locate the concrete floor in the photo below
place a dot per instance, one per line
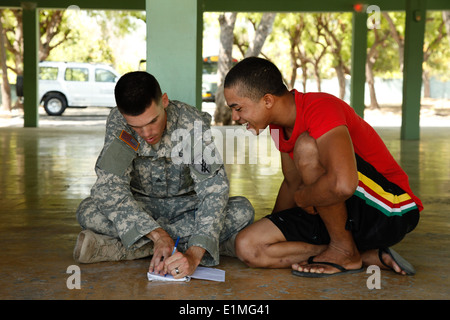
(46, 172)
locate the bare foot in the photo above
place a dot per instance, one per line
(370, 257)
(347, 260)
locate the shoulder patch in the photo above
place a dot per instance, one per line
(202, 169)
(117, 158)
(129, 140)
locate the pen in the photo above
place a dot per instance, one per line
(176, 244)
(174, 249)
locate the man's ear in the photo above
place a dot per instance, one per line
(268, 100)
(165, 100)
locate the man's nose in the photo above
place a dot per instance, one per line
(234, 115)
(146, 132)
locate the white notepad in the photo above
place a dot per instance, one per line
(212, 274)
(200, 273)
(168, 277)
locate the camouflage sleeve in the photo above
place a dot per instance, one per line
(212, 188)
(112, 193)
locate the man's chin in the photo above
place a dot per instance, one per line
(254, 131)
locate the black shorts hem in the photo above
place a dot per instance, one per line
(371, 229)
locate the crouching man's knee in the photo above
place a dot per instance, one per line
(248, 251)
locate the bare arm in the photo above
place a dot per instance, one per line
(285, 199)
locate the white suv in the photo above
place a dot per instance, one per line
(78, 85)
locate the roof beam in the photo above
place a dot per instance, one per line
(235, 5)
(83, 4)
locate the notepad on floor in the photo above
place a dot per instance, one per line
(202, 273)
(168, 277)
(209, 274)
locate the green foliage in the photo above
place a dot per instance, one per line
(437, 44)
(79, 35)
(97, 36)
(388, 60)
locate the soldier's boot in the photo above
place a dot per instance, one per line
(227, 248)
(92, 247)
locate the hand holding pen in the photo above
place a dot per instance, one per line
(173, 252)
(183, 264)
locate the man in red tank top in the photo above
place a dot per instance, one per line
(344, 199)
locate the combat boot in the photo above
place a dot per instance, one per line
(92, 247)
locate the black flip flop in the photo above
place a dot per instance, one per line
(341, 269)
(398, 259)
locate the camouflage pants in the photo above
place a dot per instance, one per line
(175, 215)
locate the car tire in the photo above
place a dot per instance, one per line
(55, 104)
(19, 86)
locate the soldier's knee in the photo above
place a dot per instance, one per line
(83, 208)
(246, 209)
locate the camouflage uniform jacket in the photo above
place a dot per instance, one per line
(129, 169)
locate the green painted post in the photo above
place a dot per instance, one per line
(412, 69)
(359, 54)
(174, 47)
(30, 63)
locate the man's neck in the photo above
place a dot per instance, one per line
(285, 113)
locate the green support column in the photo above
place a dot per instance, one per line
(412, 69)
(359, 53)
(174, 47)
(30, 63)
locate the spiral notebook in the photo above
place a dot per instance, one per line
(202, 273)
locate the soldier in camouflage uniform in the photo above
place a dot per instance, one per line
(156, 181)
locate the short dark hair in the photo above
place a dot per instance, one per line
(136, 91)
(254, 77)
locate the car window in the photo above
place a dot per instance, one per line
(76, 74)
(48, 73)
(102, 75)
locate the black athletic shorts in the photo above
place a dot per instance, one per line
(380, 214)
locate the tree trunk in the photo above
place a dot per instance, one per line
(341, 79)
(262, 32)
(397, 37)
(50, 26)
(372, 57)
(371, 83)
(370, 61)
(294, 38)
(304, 75)
(227, 21)
(317, 77)
(6, 89)
(426, 84)
(335, 45)
(446, 18)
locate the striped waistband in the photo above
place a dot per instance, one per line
(380, 193)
